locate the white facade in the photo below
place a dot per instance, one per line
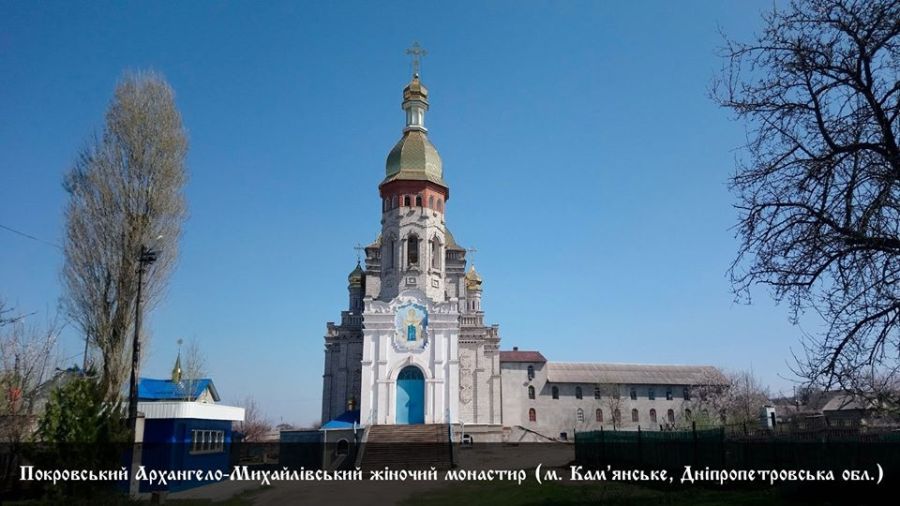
(413, 307)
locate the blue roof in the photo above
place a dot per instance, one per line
(167, 390)
(345, 421)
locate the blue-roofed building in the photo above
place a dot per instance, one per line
(184, 426)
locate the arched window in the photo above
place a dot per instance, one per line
(635, 417)
(343, 447)
(431, 202)
(440, 205)
(435, 253)
(532, 415)
(412, 250)
(385, 205)
(670, 415)
(578, 392)
(596, 392)
(394, 202)
(579, 415)
(530, 392)
(633, 394)
(687, 414)
(531, 372)
(389, 254)
(418, 201)
(406, 200)
(617, 416)
(555, 392)
(599, 415)
(653, 416)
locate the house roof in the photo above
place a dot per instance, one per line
(634, 374)
(347, 420)
(845, 402)
(167, 390)
(522, 356)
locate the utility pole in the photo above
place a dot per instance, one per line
(146, 257)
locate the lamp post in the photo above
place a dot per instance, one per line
(146, 257)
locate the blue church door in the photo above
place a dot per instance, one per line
(410, 396)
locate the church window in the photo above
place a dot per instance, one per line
(669, 394)
(531, 372)
(651, 394)
(431, 202)
(617, 416)
(406, 200)
(343, 447)
(578, 392)
(686, 393)
(532, 415)
(653, 416)
(599, 415)
(687, 414)
(394, 202)
(418, 201)
(440, 205)
(579, 415)
(633, 394)
(435, 253)
(385, 204)
(635, 417)
(412, 250)
(596, 392)
(531, 392)
(555, 392)
(671, 416)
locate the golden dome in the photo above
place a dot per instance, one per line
(356, 277)
(473, 280)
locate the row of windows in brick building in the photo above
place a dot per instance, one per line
(651, 393)
(407, 201)
(617, 416)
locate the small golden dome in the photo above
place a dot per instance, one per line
(473, 280)
(356, 277)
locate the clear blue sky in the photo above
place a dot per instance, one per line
(586, 163)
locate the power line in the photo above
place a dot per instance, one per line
(29, 236)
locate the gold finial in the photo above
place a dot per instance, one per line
(473, 280)
(417, 52)
(176, 371)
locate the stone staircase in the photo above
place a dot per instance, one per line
(406, 447)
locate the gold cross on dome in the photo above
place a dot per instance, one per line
(471, 252)
(359, 247)
(417, 52)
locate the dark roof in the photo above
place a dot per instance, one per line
(522, 356)
(168, 390)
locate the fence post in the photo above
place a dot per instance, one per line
(694, 432)
(640, 454)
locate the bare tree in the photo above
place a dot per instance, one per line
(125, 191)
(194, 368)
(28, 360)
(612, 395)
(730, 398)
(819, 187)
(255, 424)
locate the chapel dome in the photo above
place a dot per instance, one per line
(473, 280)
(414, 157)
(356, 276)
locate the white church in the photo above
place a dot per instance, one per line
(413, 348)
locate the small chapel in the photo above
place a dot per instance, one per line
(412, 347)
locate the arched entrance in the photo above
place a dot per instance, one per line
(410, 396)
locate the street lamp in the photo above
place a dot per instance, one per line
(147, 257)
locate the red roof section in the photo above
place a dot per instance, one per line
(522, 356)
